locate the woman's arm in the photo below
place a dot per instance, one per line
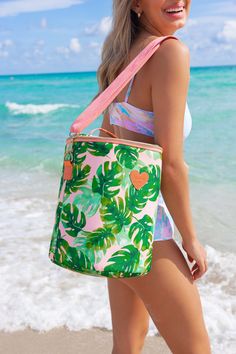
(169, 75)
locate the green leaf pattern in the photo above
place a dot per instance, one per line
(115, 213)
(101, 217)
(69, 219)
(108, 183)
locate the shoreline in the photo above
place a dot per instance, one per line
(61, 340)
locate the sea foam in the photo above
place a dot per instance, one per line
(16, 108)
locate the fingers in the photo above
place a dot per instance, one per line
(201, 265)
(195, 266)
(199, 269)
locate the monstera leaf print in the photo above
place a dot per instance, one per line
(99, 239)
(148, 260)
(141, 232)
(79, 147)
(58, 214)
(72, 257)
(127, 155)
(79, 178)
(61, 183)
(152, 187)
(56, 231)
(78, 160)
(115, 214)
(125, 260)
(135, 199)
(88, 201)
(108, 184)
(99, 149)
(69, 219)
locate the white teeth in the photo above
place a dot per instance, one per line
(175, 10)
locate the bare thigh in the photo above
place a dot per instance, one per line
(130, 318)
(172, 300)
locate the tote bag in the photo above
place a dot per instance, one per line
(108, 193)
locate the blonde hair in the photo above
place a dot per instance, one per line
(115, 50)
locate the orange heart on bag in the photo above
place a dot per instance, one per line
(138, 179)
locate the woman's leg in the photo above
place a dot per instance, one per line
(172, 300)
(130, 319)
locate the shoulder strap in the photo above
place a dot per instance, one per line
(101, 102)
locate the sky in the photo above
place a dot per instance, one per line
(67, 35)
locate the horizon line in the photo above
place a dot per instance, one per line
(94, 71)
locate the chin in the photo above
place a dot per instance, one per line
(176, 26)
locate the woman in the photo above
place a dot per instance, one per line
(168, 293)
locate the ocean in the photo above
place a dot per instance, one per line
(36, 112)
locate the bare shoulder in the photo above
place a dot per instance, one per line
(175, 46)
(172, 54)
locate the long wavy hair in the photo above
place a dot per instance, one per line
(116, 47)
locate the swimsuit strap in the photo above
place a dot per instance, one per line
(103, 100)
(129, 89)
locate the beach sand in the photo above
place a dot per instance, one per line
(63, 341)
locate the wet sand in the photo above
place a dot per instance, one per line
(63, 341)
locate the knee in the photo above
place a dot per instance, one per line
(131, 342)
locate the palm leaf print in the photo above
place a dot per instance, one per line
(152, 187)
(78, 160)
(108, 184)
(61, 182)
(56, 231)
(69, 219)
(141, 232)
(115, 214)
(99, 149)
(79, 147)
(135, 199)
(79, 178)
(72, 257)
(84, 199)
(127, 155)
(126, 260)
(148, 260)
(99, 239)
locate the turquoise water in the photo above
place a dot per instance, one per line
(211, 148)
(35, 135)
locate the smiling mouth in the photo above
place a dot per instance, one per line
(174, 10)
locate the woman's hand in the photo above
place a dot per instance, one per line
(195, 251)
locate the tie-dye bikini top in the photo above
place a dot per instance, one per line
(138, 120)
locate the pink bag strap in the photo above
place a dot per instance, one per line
(101, 102)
